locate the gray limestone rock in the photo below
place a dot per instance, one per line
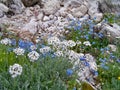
(110, 6)
(29, 3)
(112, 32)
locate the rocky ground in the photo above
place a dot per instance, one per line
(50, 16)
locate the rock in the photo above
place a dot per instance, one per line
(83, 9)
(63, 11)
(46, 18)
(17, 7)
(31, 26)
(28, 12)
(79, 11)
(51, 29)
(44, 25)
(113, 31)
(70, 16)
(86, 17)
(1, 14)
(97, 27)
(72, 3)
(112, 47)
(97, 17)
(51, 17)
(87, 74)
(110, 6)
(51, 7)
(86, 4)
(3, 8)
(29, 3)
(93, 7)
(40, 16)
(91, 61)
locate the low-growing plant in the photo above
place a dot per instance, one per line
(47, 73)
(84, 31)
(112, 18)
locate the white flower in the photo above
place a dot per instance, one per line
(78, 42)
(117, 37)
(80, 54)
(15, 70)
(53, 40)
(87, 43)
(45, 49)
(73, 55)
(33, 56)
(33, 47)
(19, 51)
(63, 45)
(71, 43)
(59, 53)
(5, 41)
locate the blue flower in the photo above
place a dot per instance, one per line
(118, 60)
(93, 43)
(107, 48)
(74, 88)
(102, 50)
(94, 72)
(69, 72)
(21, 44)
(103, 60)
(42, 45)
(25, 44)
(86, 37)
(112, 56)
(13, 42)
(104, 66)
(94, 18)
(53, 55)
(90, 32)
(86, 64)
(82, 58)
(100, 35)
(10, 49)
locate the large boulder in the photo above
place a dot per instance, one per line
(110, 6)
(111, 31)
(79, 11)
(11, 7)
(3, 9)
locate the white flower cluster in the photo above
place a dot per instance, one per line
(53, 40)
(59, 53)
(19, 51)
(15, 70)
(33, 56)
(6, 41)
(61, 45)
(71, 43)
(45, 49)
(86, 43)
